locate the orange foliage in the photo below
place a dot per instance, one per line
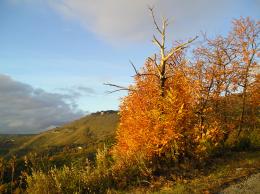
(180, 110)
(150, 123)
(153, 125)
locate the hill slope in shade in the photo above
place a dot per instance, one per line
(9, 142)
(89, 130)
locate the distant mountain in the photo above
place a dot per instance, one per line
(87, 132)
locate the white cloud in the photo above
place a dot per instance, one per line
(117, 20)
(129, 20)
(24, 109)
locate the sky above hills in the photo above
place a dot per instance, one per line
(55, 55)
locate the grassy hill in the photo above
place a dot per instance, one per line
(86, 133)
(10, 142)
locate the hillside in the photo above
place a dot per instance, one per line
(86, 132)
(10, 142)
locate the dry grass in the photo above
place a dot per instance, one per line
(218, 174)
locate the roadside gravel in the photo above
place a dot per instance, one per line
(249, 186)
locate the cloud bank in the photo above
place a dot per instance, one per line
(117, 20)
(24, 109)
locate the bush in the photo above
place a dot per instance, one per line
(243, 144)
(88, 178)
(84, 178)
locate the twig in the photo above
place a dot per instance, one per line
(136, 72)
(119, 88)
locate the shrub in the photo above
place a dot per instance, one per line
(243, 143)
(84, 178)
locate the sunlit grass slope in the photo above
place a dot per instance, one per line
(89, 130)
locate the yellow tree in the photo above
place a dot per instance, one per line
(215, 69)
(254, 102)
(246, 41)
(157, 117)
(225, 68)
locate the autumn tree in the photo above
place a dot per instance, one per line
(225, 67)
(254, 102)
(157, 119)
(179, 108)
(215, 71)
(246, 41)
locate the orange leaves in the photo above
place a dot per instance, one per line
(150, 122)
(207, 137)
(187, 108)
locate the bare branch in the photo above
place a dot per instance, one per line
(155, 41)
(136, 72)
(154, 20)
(119, 88)
(161, 31)
(143, 74)
(180, 47)
(164, 25)
(156, 65)
(155, 60)
(148, 74)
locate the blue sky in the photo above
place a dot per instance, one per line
(63, 46)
